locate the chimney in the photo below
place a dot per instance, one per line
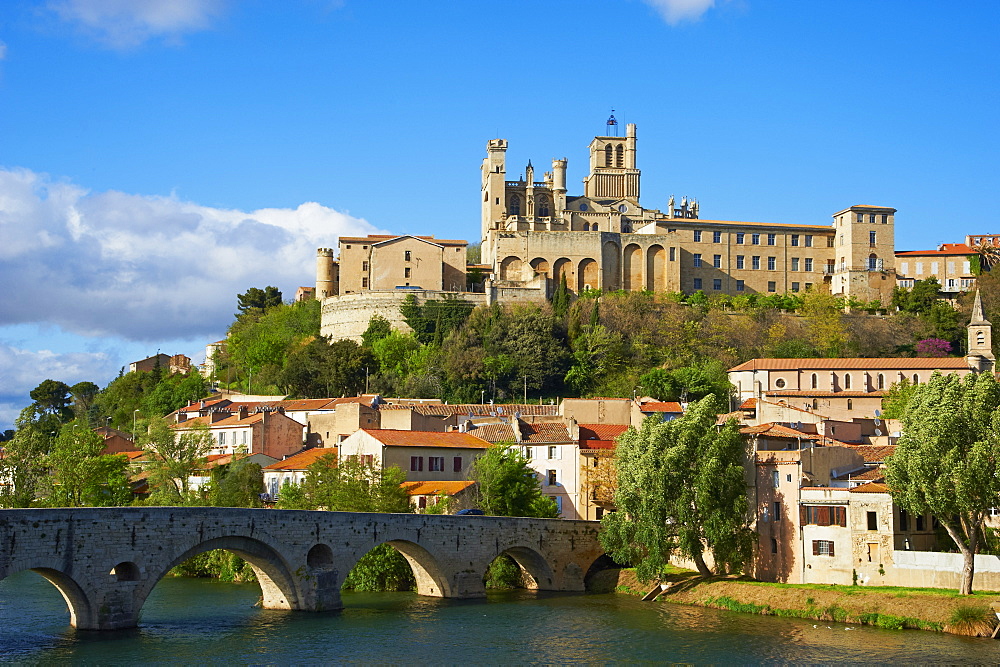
(217, 416)
(241, 412)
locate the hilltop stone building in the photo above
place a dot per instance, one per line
(534, 234)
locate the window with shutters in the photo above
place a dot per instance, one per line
(823, 548)
(823, 515)
(458, 464)
(416, 463)
(550, 477)
(777, 511)
(435, 464)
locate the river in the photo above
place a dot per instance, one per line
(196, 621)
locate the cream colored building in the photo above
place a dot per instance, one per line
(950, 264)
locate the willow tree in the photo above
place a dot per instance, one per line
(681, 491)
(947, 462)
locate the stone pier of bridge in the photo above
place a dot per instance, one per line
(106, 561)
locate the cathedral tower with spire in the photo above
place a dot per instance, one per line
(980, 355)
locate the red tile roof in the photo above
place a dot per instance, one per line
(945, 249)
(302, 460)
(393, 438)
(874, 453)
(598, 444)
(749, 404)
(233, 421)
(601, 431)
(381, 238)
(494, 432)
(860, 363)
(871, 487)
(773, 430)
(544, 432)
(661, 406)
(868, 473)
(435, 488)
(476, 409)
(877, 393)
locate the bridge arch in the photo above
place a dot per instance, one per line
(538, 569)
(428, 573)
(277, 584)
(81, 610)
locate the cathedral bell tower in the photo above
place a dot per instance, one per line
(980, 356)
(612, 167)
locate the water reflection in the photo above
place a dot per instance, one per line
(198, 621)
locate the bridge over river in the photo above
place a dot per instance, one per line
(105, 561)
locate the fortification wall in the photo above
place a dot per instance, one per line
(347, 316)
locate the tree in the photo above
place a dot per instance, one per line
(561, 297)
(321, 368)
(79, 475)
(52, 397)
(22, 465)
(897, 398)
(256, 300)
(826, 328)
(947, 461)
(507, 486)
(83, 394)
(172, 457)
(236, 484)
(378, 328)
(681, 489)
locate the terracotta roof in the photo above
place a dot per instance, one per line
(945, 249)
(860, 363)
(661, 406)
(688, 222)
(871, 487)
(598, 444)
(874, 453)
(544, 432)
(393, 438)
(302, 460)
(877, 393)
(601, 431)
(868, 473)
(435, 488)
(477, 409)
(494, 432)
(723, 418)
(380, 238)
(749, 404)
(233, 421)
(773, 430)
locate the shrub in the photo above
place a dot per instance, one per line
(971, 621)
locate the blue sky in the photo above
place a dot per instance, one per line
(157, 157)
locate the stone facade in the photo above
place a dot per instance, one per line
(106, 561)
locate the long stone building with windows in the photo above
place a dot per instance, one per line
(535, 234)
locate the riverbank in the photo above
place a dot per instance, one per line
(884, 607)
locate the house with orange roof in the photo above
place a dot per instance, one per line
(292, 469)
(271, 433)
(422, 455)
(950, 264)
(460, 494)
(598, 479)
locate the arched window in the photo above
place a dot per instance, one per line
(850, 404)
(881, 381)
(586, 226)
(872, 262)
(815, 404)
(847, 381)
(815, 381)
(515, 205)
(543, 206)
(980, 338)
(916, 378)
(620, 156)
(608, 156)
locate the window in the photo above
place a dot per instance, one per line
(871, 237)
(861, 217)
(920, 522)
(553, 452)
(847, 381)
(771, 263)
(697, 260)
(775, 479)
(771, 238)
(515, 205)
(755, 239)
(739, 237)
(795, 287)
(755, 262)
(772, 286)
(871, 218)
(435, 464)
(934, 268)
(697, 235)
(364, 282)
(809, 240)
(222, 439)
(822, 548)
(774, 546)
(716, 237)
(920, 268)
(795, 263)
(550, 477)
(558, 501)
(697, 283)
(406, 272)
(885, 218)
(717, 284)
(364, 266)
(823, 515)
(777, 511)
(780, 383)
(904, 520)
(406, 256)
(809, 263)
(717, 261)
(788, 478)
(457, 463)
(829, 241)
(916, 378)
(795, 239)
(739, 286)
(673, 254)
(815, 381)
(872, 520)
(815, 404)
(881, 381)
(416, 463)
(740, 261)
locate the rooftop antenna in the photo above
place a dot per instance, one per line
(612, 124)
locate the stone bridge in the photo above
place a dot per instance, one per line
(105, 561)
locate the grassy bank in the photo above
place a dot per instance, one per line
(884, 607)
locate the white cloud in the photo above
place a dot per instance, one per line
(129, 23)
(146, 268)
(676, 11)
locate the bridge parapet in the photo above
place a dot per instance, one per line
(106, 561)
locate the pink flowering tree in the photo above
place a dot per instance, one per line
(933, 347)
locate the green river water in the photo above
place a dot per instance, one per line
(192, 622)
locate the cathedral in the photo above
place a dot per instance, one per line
(535, 234)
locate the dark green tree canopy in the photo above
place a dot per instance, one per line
(507, 486)
(53, 397)
(257, 300)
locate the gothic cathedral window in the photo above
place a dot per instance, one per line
(608, 156)
(515, 205)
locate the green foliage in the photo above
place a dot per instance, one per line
(351, 486)
(680, 489)
(507, 486)
(378, 328)
(255, 300)
(53, 397)
(561, 298)
(216, 564)
(436, 318)
(947, 462)
(23, 463)
(381, 569)
(897, 398)
(504, 574)
(918, 299)
(321, 369)
(172, 458)
(80, 476)
(688, 382)
(260, 344)
(237, 484)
